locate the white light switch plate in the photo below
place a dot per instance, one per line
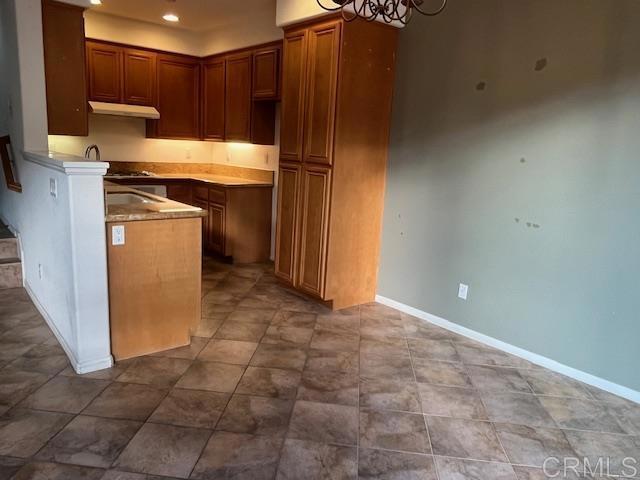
(463, 291)
(117, 235)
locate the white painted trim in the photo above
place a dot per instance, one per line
(68, 164)
(79, 367)
(553, 365)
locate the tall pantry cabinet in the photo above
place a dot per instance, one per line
(337, 82)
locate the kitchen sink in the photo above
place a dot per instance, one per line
(126, 198)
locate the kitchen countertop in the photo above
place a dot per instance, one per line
(202, 177)
(160, 208)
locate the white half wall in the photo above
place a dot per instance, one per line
(62, 236)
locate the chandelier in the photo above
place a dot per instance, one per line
(389, 11)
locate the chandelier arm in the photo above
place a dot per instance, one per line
(389, 10)
(361, 11)
(345, 16)
(334, 9)
(429, 14)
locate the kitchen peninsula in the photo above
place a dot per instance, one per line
(237, 202)
(154, 266)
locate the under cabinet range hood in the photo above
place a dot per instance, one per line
(124, 110)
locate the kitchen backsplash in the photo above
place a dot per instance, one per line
(123, 139)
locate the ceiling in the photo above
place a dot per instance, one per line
(195, 15)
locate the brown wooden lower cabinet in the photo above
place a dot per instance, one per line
(247, 223)
(287, 215)
(238, 220)
(154, 285)
(313, 229)
(216, 228)
(180, 192)
(303, 217)
(205, 221)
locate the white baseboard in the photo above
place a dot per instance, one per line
(553, 365)
(79, 367)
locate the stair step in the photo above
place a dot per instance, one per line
(10, 273)
(9, 261)
(8, 248)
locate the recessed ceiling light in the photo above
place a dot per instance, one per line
(96, 2)
(171, 17)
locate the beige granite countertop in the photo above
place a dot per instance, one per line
(223, 180)
(217, 179)
(159, 208)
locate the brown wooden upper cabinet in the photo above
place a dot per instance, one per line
(178, 78)
(120, 74)
(213, 81)
(322, 77)
(139, 77)
(104, 66)
(238, 98)
(334, 130)
(293, 84)
(64, 65)
(266, 73)
(226, 97)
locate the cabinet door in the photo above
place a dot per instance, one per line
(266, 73)
(178, 97)
(205, 222)
(213, 74)
(287, 221)
(104, 63)
(64, 68)
(180, 192)
(313, 229)
(139, 77)
(324, 46)
(238, 98)
(293, 82)
(216, 228)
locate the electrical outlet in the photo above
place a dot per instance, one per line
(266, 158)
(53, 187)
(117, 235)
(40, 271)
(463, 291)
(187, 154)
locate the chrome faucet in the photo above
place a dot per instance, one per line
(87, 152)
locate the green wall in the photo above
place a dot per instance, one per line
(527, 190)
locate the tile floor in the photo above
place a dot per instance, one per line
(275, 386)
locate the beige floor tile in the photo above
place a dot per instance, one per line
(228, 351)
(191, 408)
(163, 450)
(126, 400)
(213, 376)
(324, 423)
(309, 460)
(238, 456)
(65, 394)
(269, 382)
(256, 415)
(394, 431)
(377, 464)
